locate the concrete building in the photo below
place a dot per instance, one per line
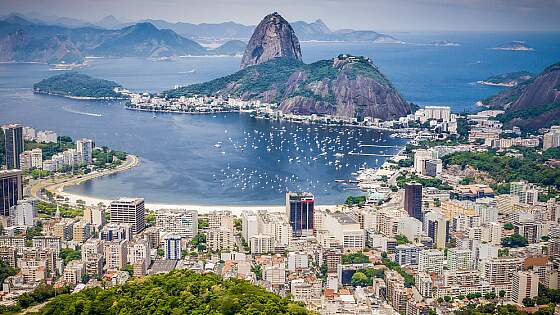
(94, 216)
(220, 219)
(13, 145)
(261, 244)
(221, 240)
(181, 222)
(413, 200)
(525, 285)
(249, 225)
(11, 190)
(64, 229)
(297, 261)
(459, 259)
(24, 213)
(116, 232)
(551, 139)
(300, 209)
(500, 270)
(84, 147)
(345, 230)
(129, 210)
(92, 256)
(47, 136)
(407, 254)
(81, 232)
(115, 255)
(172, 246)
(409, 227)
(431, 260)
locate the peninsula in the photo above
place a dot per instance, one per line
(79, 86)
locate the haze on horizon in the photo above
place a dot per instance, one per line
(380, 15)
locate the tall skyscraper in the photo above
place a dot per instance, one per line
(129, 210)
(300, 208)
(413, 200)
(85, 150)
(11, 190)
(13, 142)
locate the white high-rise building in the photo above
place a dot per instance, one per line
(551, 139)
(249, 223)
(84, 147)
(459, 259)
(261, 244)
(345, 230)
(431, 260)
(37, 158)
(24, 213)
(297, 261)
(181, 222)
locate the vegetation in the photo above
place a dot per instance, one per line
(504, 168)
(402, 180)
(178, 292)
(202, 223)
(408, 278)
(199, 241)
(107, 156)
(6, 271)
(69, 254)
(41, 294)
(257, 270)
(517, 76)
(355, 258)
(402, 239)
(529, 112)
(65, 210)
(274, 75)
(355, 200)
(77, 85)
(364, 277)
(514, 241)
(50, 149)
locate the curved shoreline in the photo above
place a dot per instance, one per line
(57, 185)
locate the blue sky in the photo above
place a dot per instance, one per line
(383, 15)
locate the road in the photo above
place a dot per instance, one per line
(57, 184)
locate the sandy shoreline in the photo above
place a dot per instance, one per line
(202, 209)
(132, 161)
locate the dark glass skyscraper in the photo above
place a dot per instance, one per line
(13, 142)
(300, 207)
(413, 200)
(11, 190)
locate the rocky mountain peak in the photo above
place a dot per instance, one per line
(272, 38)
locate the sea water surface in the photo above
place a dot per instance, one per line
(235, 159)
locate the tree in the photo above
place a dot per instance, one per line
(447, 298)
(128, 268)
(6, 271)
(257, 270)
(528, 302)
(508, 226)
(69, 254)
(359, 279)
(514, 241)
(355, 258)
(402, 239)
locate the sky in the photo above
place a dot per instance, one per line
(381, 15)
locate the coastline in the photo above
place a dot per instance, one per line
(88, 98)
(57, 186)
(488, 83)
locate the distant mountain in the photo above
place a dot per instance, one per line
(232, 48)
(109, 22)
(532, 104)
(273, 38)
(226, 30)
(319, 31)
(145, 40)
(23, 40)
(272, 71)
(514, 46)
(20, 46)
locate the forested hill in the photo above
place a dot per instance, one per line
(78, 85)
(178, 292)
